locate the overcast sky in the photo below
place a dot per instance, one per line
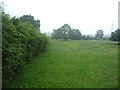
(86, 15)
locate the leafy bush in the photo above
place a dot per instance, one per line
(115, 36)
(21, 42)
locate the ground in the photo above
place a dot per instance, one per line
(72, 64)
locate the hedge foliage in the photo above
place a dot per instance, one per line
(115, 36)
(20, 43)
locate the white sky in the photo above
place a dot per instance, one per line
(86, 15)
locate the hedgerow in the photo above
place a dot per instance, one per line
(20, 43)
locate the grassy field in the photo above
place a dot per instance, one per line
(72, 64)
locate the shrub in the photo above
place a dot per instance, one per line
(21, 42)
(115, 36)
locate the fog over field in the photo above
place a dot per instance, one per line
(86, 15)
(59, 43)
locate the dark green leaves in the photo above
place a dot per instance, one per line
(30, 19)
(21, 42)
(115, 36)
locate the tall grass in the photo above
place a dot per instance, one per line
(72, 64)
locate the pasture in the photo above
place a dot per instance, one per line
(72, 64)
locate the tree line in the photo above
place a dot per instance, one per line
(66, 32)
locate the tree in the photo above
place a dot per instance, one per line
(65, 29)
(30, 19)
(66, 32)
(57, 34)
(74, 34)
(62, 32)
(99, 34)
(115, 36)
(84, 37)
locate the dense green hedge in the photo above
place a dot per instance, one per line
(20, 43)
(115, 36)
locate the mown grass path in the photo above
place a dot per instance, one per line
(72, 64)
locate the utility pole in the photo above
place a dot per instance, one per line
(119, 14)
(112, 27)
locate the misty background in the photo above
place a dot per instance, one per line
(86, 15)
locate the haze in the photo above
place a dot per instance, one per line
(86, 15)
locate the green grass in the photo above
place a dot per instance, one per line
(72, 64)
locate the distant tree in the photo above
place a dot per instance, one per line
(99, 34)
(87, 37)
(30, 19)
(115, 36)
(65, 30)
(83, 37)
(74, 34)
(62, 32)
(48, 34)
(57, 34)
(71, 34)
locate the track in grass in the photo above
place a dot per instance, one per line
(72, 64)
